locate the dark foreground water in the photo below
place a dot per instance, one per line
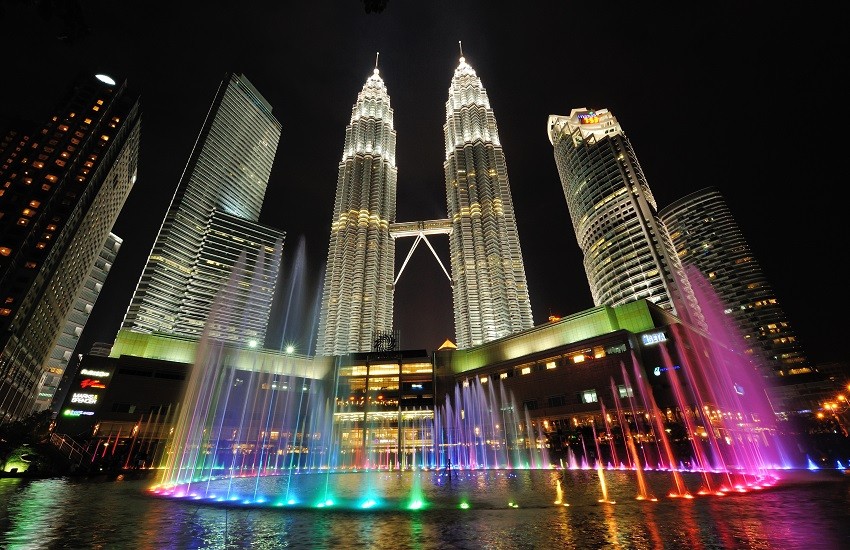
(805, 510)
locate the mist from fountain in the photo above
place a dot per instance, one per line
(250, 435)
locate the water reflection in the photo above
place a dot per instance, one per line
(807, 510)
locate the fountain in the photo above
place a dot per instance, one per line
(285, 433)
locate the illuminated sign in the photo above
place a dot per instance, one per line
(416, 386)
(653, 338)
(85, 398)
(74, 412)
(588, 118)
(91, 383)
(658, 370)
(95, 373)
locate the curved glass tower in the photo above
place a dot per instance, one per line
(707, 236)
(628, 254)
(357, 298)
(488, 275)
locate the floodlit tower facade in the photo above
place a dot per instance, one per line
(627, 251)
(211, 229)
(357, 296)
(489, 286)
(707, 236)
(63, 188)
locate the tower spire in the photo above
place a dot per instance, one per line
(460, 47)
(376, 60)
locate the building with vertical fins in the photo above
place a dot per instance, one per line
(628, 254)
(63, 187)
(489, 287)
(706, 235)
(210, 230)
(357, 296)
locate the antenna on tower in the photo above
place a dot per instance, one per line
(376, 59)
(460, 46)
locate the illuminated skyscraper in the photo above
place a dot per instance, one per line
(63, 188)
(211, 229)
(706, 236)
(488, 276)
(357, 298)
(627, 251)
(76, 321)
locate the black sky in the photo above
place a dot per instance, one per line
(742, 98)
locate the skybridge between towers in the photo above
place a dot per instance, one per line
(421, 230)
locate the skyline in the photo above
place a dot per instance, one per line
(312, 76)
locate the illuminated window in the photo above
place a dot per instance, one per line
(35, 204)
(100, 102)
(9, 299)
(526, 370)
(578, 358)
(63, 128)
(104, 137)
(5, 312)
(41, 245)
(29, 265)
(5, 251)
(45, 187)
(60, 162)
(624, 391)
(95, 108)
(28, 212)
(51, 178)
(37, 164)
(23, 221)
(589, 396)
(503, 375)
(87, 121)
(483, 379)
(551, 365)
(51, 227)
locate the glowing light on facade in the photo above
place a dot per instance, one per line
(210, 245)
(488, 275)
(357, 298)
(628, 254)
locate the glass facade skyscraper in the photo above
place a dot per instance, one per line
(357, 297)
(707, 236)
(62, 190)
(627, 251)
(211, 222)
(489, 287)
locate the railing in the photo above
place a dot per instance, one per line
(67, 446)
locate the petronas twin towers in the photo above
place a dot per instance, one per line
(489, 287)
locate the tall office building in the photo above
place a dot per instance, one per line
(75, 322)
(211, 229)
(628, 254)
(62, 190)
(706, 236)
(488, 275)
(357, 298)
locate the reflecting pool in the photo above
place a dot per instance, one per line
(473, 509)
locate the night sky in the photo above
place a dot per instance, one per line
(738, 97)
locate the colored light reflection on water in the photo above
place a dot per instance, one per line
(803, 510)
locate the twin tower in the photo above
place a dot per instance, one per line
(488, 280)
